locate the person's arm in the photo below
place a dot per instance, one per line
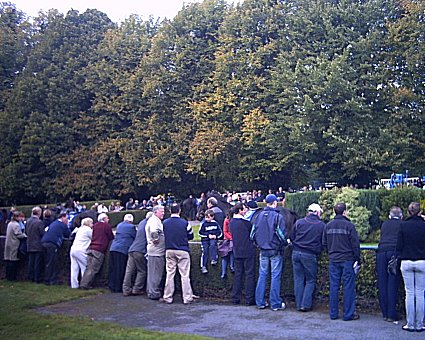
(355, 243)
(202, 233)
(189, 231)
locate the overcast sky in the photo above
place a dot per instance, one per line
(117, 10)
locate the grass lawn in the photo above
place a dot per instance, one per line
(19, 321)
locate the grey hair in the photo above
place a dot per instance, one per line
(36, 211)
(156, 208)
(212, 201)
(396, 212)
(86, 221)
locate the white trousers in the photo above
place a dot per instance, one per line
(78, 264)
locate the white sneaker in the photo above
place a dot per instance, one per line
(280, 308)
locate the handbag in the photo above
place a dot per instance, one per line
(392, 265)
(225, 247)
(22, 249)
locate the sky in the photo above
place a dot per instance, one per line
(117, 10)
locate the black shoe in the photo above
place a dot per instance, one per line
(407, 328)
(302, 309)
(420, 330)
(355, 317)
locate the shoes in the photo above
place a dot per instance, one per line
(419, 330)
(232, 270)
(334, 318)
(126, 293)
(165, 301)
(355, 317)
(282, 307)
(263, 306)
(196, 297)
(407, 328)
(138, 293)
(204, 270)
(213, 262)
(303, 309)
(223, 277)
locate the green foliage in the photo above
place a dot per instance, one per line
(299, 202)
(400, 197)
(359, 215)
(327, 202)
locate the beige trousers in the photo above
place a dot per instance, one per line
(177, 259)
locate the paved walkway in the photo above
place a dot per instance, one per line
(222, 320)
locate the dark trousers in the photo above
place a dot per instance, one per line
(387, 285)
(35, 266)
(117, 265)
(244, 269)
(50, 252)
(11, 270)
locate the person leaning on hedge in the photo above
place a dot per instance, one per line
(387, 283)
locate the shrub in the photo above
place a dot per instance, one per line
(118, 216)
(400, 197)
(327, 202)
(299, 202)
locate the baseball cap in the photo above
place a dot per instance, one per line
(314, 208)
(270, 198)
(252, 204)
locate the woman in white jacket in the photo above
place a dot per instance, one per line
(78, 251)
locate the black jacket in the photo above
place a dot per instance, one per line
(307, 233)
(242, 244)
(389, 235)
(341, 240)
(411, 239)
(35, 231)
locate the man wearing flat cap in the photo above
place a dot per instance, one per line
(306, 238)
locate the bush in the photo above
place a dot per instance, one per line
(118, 216)
(299, 202)
(400, 197)
(327, 202)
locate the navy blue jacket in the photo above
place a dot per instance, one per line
(269, 231)
(307, 233)
(56, 233)
(177, 233)
(389, 234)
(210, 228)
(242, 244)
(411, 239)
(341, 240)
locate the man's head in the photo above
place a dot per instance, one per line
(414, 208)
(103, 218)
(340, 208)
(211, 202)
(63, 217)
(271, 200)
(175, 208)
(252, 204)
(158, 211)
(315, 209)
(36, 211)
(128, 218)
(396, 213)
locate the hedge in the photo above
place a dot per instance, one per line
(211, 286)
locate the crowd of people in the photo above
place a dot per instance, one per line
(139, 255)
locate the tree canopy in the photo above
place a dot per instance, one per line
(265, 93)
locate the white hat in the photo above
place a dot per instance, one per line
(315, 208)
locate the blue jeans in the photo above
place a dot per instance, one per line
(414, 283)
(229, 258)
(337, 271)
(387, 285)
(209, 249)
(274, 259)
(305, 273)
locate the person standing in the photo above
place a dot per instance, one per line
(269, 234)
(341, 240)
(306, 238)
(78, 253)
(35, 231)
(118, 253)
(177, 232)
(156, 252)
(51, 241)
(14, 235)
(136, 272)
(101, 237)
(387, 283)
(244, 254)
(411, 247)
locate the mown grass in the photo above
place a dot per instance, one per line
(19, 320)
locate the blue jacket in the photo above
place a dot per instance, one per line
(124, 237)
(269, 231)
(177, 232)
(307, 233)
(209, 228)
(140, 243)
(56, 233)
